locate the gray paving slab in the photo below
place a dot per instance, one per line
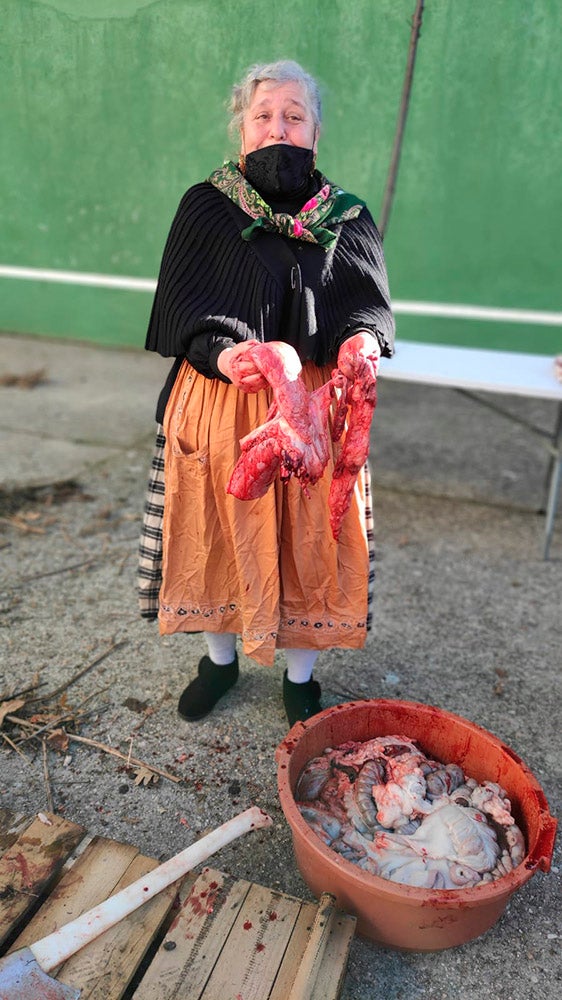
(89, 403)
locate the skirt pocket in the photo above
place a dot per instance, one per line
(187, 474)
(191, 506)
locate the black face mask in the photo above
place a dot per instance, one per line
(280, 170)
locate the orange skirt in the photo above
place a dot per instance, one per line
(267, 569)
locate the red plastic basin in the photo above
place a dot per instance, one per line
(393, 914)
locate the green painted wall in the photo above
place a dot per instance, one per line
(115, 107)
(479, 201)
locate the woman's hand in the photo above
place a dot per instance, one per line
(359, 356)
(237, 364)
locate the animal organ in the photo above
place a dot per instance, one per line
(386, 807)
(295, 438)
(361, 397)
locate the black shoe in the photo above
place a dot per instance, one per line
(211, 683)
(301, 700)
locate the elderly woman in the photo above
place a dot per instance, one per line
(266, 250)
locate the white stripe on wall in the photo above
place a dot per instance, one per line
(79, 278)
(404, 308)
(491, 313)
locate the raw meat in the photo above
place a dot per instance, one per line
(295, 438)
(293, 441)
(388, 808)
(361, 396)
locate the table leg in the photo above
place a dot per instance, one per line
(554, 488)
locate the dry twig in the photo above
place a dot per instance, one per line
(54, 572)
(15, 747)
(130, 761)
(20, 722)
(69, 716)
(48, 789)
(27, 380)
(39, 730)
(16, 521)
(123, 561)
(79, 674)
(17, 694)
(145, 715)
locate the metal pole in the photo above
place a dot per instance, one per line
(401, 122)
(555, 471)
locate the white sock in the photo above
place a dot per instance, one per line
(300, 664)
(221, 646)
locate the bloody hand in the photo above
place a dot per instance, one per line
(359, 356)
(239, 366)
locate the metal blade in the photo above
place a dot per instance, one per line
(22, 978)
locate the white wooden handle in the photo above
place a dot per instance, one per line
(64, 942)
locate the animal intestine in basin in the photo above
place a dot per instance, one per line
(388, 808)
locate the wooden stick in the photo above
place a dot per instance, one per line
(21, 722)
(48, 788)
(123, 561)
(53, 572)
(18, 694)
(53, 724)
(16, 522)
(25, 380)
(80, 673)
(117, 753)
(130, 761)
(15, 747)
(401, 122)
(69, 716)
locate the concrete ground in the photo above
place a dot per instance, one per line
(468, 617)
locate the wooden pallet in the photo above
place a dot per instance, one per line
(208, 937)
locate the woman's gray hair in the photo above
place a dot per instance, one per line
(283, 71)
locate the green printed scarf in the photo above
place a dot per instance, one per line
(330, 205)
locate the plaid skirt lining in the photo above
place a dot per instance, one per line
(150, 547)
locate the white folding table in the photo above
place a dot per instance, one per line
(472, 370)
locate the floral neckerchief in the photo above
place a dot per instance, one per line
(330, 205)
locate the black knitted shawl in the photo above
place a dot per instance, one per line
(216, 289)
